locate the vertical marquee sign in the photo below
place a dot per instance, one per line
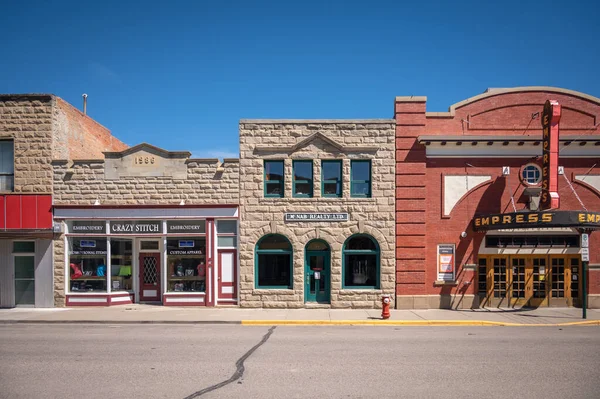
(550, 118)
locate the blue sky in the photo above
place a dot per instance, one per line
(180, 74)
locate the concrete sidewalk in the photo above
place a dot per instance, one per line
(140, 314)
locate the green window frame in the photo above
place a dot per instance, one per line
(360, 186)
(305, 181)
(329, 182)
(274, 186)
(361, 261)
(277, 254)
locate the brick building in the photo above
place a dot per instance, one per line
(459, 173)
(34, 130)
(316, 213)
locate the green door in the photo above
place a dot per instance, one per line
(24, 280)
(317, 277)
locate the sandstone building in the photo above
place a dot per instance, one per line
(316, 213)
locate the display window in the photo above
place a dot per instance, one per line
(121, 264)
(186, 264)
(361, 262)
(87, 264)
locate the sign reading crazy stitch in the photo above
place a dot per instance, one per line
(135, 227)
(316, 217)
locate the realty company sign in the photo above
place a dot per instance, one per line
(316, 217)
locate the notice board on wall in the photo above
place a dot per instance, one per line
(445, 258)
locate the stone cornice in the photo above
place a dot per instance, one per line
(314, 121)
(150, 148)
(306, 141)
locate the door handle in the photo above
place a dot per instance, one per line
(308, 279)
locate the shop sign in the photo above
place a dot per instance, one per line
(88, 227)
(536, 220)
(316, 217)
(136, 227)
(186, 247)
(446, 262)
(550, 118)
(186, 227)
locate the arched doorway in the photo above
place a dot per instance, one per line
(317, 271)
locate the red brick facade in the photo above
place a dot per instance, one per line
(420, 221)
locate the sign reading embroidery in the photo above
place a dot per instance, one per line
(316, 217)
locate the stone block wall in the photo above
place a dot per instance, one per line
(84, 183)
(316, 140)
(27, 120)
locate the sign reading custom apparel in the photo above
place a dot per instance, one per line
(537, 219)
(136, 227)
(316, 217)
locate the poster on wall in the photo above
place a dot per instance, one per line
(445, 262)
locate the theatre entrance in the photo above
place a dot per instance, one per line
(529, 280)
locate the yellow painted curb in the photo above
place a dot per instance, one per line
(408, 323)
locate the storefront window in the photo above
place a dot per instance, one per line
(273, 262)
(186, 268)
(121, 264)
(361, 262)
(87, 264)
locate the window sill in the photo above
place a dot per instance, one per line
(267, 290)
(448, 283)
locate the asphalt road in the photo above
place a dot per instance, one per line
(220, 361)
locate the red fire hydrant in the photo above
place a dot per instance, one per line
(385, 307)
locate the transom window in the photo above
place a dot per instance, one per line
(7, 165)
(532, 174)
(303, 178)
(274, 179)
(361, 262)
(273, 259)
(360, 178)
(331, 178)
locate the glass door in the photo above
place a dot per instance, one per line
(317, 277)
(518, 278)
(24, 280)
(500, 287)
(538, 287)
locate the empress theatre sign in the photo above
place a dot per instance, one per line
(537, 219)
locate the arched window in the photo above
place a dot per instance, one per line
(273, 262)
(361, 262)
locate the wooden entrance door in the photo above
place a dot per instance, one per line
(499, 279)
(150, 287)
(227, 274)
(519, 276)
(537, 288)
(565, 280)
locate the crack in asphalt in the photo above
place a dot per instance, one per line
(239, 372)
